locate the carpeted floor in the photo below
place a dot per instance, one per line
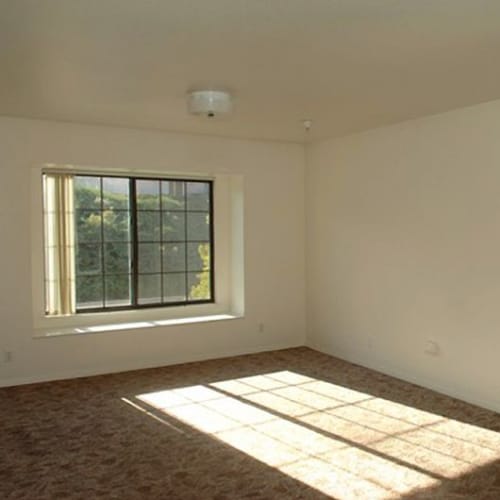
(280, 425)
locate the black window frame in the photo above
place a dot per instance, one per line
(134, 243)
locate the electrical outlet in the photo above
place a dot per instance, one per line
(432, 348)
(261, 327)
(7, 356)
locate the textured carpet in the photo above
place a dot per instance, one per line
(280, 425)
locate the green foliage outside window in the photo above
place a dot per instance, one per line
(104, 243)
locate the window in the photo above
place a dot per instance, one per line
(119, 242)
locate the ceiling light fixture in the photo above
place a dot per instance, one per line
(209, 102)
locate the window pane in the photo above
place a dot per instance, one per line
(199, 286)
(115, 192)
(149, 258)
(88, 225)
(174, 257)
(198, 256)
(117, 290)
(148, 226)
(174, 226)
(88, 259)
(87, 192)
(148, 195)
(88, 291)
(198, 195)
(173, 241)
(149, 289)
(172, 193)
(116, 225)
(117, 258)
(174, 287)
(198, 225)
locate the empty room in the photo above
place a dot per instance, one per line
(250, 249)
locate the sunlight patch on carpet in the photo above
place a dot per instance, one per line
(340, 441)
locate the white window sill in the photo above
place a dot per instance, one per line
(84, 330)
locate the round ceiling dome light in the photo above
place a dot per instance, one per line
(209, 102)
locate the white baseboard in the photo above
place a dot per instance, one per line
(371, 363)
(385, 367)
(135, 365)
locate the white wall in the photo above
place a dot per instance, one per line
(403, 245)
(273, 238)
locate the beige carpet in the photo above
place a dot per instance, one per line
(281, 425)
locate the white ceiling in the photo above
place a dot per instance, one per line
(348, 65)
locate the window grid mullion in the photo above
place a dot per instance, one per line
(211, 243)
(161, 241)
(103, 278)
(186, 294)
(135, 244)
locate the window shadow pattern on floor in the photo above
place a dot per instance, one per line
(343, 442)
